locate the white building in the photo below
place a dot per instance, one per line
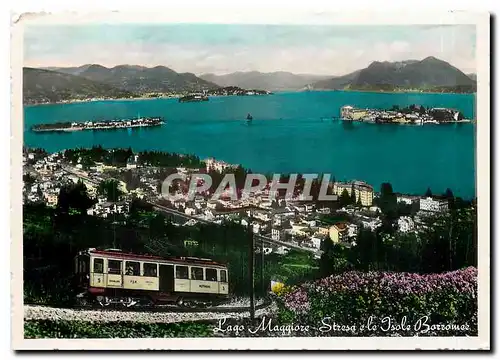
(212, 205)
(282, 250)
(51, 198)
(309, 207)
(352, 230)
(430, 204)
(406, 199)
(277, 233)
(346, 111)
(324, 210)
(405, 224)
(264, 216)
(375, 209)
(218, 166)
(317, 239)
(372, 224)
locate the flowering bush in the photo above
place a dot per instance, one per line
(385, 303)
(281, 289)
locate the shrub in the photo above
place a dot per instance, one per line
(385, 303)
(36, 329)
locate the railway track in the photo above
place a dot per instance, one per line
(165, 314)
(266, 302)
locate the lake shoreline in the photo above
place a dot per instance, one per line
(219, 96)
(412, 158)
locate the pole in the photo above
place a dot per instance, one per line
(263, 284)
(251, 259)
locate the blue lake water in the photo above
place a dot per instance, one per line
(290, 132)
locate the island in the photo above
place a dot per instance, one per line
(99, 125)
(193, 98)
(234, 90)
(412, 115)
(225, 91)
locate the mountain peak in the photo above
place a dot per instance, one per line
(429, 72)
(433, 59)
(94, 66)
(127, 66)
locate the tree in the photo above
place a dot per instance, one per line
(448, 193)
(74, 197)
(334, 258)
(359, 203)
(109, 188)
(428, 193)
(386, 189)
(388, 203)
(345, 198)
(388, 200)
(450, 197)
(353, 195)
(87, 162)
(132, 180)
(28, 179)
(365, 253)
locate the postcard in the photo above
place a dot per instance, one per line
(223, 180)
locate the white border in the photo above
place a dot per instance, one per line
(275, 16)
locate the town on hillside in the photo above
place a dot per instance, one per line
(286, 222)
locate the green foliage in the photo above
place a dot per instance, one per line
(110, 189)
(335, 218)
(74, 197)
(445, 242)
(61, 329)
(28, 180)
(352, 298)
(164, 159)
(52, 239)
(345, 198)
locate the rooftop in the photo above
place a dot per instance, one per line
(341, 226)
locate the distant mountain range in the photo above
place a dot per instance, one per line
(140, 79)
(44, 86)
(429, 73)
(128, 81)
(274, 81)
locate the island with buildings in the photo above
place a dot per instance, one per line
(225, 91)
(99, 125)
(193, 98)
(412, 115)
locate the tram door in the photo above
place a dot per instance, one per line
(166, 278)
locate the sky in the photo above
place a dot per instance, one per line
(222, 49)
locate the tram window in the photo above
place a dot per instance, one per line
(211, 274)
(99, 266)
(114, 267)
(196, 273)
(150, 269)
(132, 268)
(223, 276)
(83, 264)
(181, 272)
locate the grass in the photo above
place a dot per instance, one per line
(63, 329)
